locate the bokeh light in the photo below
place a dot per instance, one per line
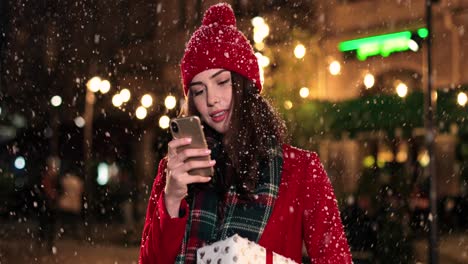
(56, 101)
(147, 100)
(304, 92)
(299, 51)
(141, 112)
(94, 84)
(164, 122)
(369, 80)
(334, 68)
(170, 102)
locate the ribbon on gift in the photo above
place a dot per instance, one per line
(269, 257)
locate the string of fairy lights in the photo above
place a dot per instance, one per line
(261, 31)
(98, 85)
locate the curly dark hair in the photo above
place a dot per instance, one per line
(254, 126)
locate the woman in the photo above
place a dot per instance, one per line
(263, 189)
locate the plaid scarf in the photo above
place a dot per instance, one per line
(247, 218)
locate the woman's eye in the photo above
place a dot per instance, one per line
(224, 82)
(195, 93)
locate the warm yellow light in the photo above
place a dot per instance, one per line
(402, 156)
(304, 92)
(434, 96)
(147, 100)
(164, 122)
(380, 163)
(257, 38)
(262, 75)
(117, 100)
(423, 158)
(402, 89)
(368, 161)
(462, 98)
(94, 84)
(263, 61)
(385, 156)
(402, 153)
(261, 32)
(265, 30)
(56, 101)
(299, 51)
(288, 104)
(335, 68)
(170, 102)
(369, 80)
(125, 95)
(105, 86)
(141, 112)
(259, 45)
(257, 21)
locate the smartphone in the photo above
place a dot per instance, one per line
(191, 127)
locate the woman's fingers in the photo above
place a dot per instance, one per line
(185, 154)
(181, 170)
(197, 179)
(185, 178)
(174, 144)
(188, 153)
(179, 165)
(181, 158)
(180, 176)
(198, 164)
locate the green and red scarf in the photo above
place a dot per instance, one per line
(247, 218)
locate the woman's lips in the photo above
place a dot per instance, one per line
(219, 116)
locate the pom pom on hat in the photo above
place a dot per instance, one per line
(221, 14)
(218, 44)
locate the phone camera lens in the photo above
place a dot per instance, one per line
(174, 127)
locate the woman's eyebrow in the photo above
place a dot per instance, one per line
(195, 83)
(212, 76)
(217, 73)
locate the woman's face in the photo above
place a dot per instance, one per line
(211, 91)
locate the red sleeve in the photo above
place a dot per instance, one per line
(162, 235)
(324, 237)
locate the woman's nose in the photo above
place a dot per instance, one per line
(211, 97)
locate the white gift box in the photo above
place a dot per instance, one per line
(237, 249)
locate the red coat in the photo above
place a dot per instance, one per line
(305, 210)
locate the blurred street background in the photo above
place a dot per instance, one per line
(87, 90)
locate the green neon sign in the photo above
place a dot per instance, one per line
(423, 32)
(383, 45)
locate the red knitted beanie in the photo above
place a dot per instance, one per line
(218, 44)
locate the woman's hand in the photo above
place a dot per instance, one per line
(177, 177)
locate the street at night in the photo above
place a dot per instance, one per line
(341, 125)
